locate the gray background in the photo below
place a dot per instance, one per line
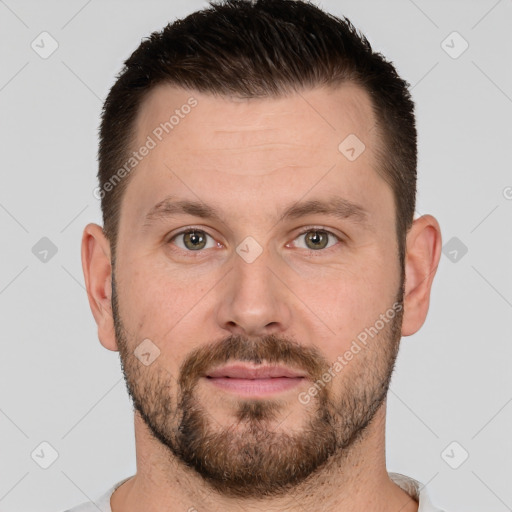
(58, 384)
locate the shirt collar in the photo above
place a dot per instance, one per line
(416, 490)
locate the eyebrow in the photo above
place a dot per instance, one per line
(333, 206)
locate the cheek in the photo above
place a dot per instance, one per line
(348, 300)
(163, 306)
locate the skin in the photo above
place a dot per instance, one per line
(248, 159)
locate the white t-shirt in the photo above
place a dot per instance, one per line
(412, 487)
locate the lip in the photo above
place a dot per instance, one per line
(244, 371)
(254, 381)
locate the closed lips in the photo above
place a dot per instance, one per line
(247, 372)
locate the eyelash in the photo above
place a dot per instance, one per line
(195, 254)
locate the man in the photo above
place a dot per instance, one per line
(259, 262)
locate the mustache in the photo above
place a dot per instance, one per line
(270, 349)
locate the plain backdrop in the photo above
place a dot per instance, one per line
(451, 393)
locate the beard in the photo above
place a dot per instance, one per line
(252, 457)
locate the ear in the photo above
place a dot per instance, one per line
(98, 281)
(422, 258)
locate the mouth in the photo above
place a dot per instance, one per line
(254, 381)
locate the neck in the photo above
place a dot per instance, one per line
(356, 480)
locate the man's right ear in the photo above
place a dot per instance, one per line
(96, 265)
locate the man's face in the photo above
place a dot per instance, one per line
(255, 287)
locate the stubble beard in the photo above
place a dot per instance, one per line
(253, 457)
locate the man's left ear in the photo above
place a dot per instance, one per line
(421, 261)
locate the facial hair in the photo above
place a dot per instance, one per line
(253, 458)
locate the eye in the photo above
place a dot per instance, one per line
(312, 239)
(317, 239)
(193, 240)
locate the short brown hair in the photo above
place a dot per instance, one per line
(261, 48)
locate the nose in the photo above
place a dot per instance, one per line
(254, 301)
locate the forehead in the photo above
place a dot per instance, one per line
(212, 146)
(273, 128)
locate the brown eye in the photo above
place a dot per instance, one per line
(192, 240)
(316, 239)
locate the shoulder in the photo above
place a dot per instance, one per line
(101, 503)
